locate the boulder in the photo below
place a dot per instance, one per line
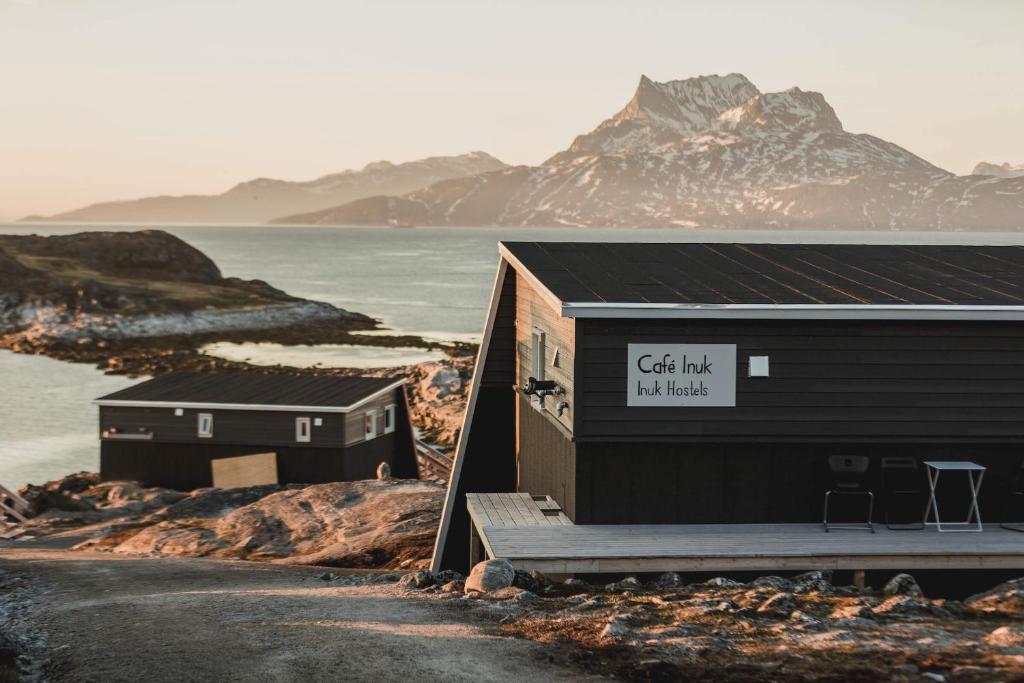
(722, 582)
(490, 575)
(903, 584)
(813, 582)
(517, 596)
(573, 583)
(421, 578)
(447, 575)
(630, 583)
(667, 581)
(774, 582)
(526, 581)
(383, 471)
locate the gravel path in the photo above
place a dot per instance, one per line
(105, 617)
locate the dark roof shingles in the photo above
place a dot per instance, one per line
(713, 273)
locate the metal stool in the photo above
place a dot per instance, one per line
(901, 479)
(848, 477)
(1014, 502)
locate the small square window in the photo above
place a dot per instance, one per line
(205, 425)
(318, 422)
(302, 430)
(370, 426)
(389, 418)
(178, 412)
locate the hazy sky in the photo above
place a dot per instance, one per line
(105, 99)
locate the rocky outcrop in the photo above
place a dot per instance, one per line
(362, 524)
(714, 151)
(437, 395)
(263, 199)
(133, 285)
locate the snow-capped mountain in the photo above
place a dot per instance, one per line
(713, 151)
(1006, 170)
(260, 200)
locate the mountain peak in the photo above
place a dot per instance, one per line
(687, 105)
(660, 112)
(791, 110)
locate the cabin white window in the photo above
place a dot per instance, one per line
(302, 429)
(370, 426)
(389, 418)
(205, 425)
(178, 412)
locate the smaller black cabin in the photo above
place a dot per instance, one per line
(168, 430)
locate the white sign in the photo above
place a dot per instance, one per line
(697, 375)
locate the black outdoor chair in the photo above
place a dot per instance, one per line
(848, 480)
(1013, 507)
(903, 494)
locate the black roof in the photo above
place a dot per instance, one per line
(253, 389)
(826, 274)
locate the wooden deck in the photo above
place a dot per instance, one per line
(534, 534)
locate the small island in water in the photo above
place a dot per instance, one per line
(145, 302)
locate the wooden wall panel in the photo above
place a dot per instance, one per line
(229, 426)
(535, 312)
(546, 458)
(187, 466)
(829, 379)
(708, 483)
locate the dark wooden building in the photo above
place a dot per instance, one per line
(166, 431)
(708, 383)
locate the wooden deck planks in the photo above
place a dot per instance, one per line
(513, 510)
(514, 526)
(717, 547)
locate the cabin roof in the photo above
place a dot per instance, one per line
(600, 279)
(252, 391)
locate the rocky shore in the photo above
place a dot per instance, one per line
(800, 628)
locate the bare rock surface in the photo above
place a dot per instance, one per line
(374, 523)
(801, 628)
(490, 575)
(437, 395)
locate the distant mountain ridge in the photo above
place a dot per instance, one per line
(262, 199)
(711, 151)
(1005, 170)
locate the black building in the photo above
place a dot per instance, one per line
(166, 431)
(708, 383)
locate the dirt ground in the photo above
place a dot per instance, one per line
(88, 616)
